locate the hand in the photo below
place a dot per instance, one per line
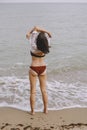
(36, 28)
(28, 36)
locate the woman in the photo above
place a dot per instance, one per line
(39, 39)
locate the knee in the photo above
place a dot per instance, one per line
(44, 92)
(33, 92)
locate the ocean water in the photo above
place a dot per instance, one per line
(66, 62)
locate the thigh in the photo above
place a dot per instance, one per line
(32, 79)
(42, 80)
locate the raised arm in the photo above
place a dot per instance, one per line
(38, 30)
(42, 30)
(29, 33)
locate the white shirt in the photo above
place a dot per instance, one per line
(33, 41)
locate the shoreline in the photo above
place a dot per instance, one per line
(40, 110)
(65, 119)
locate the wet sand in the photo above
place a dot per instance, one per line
(66, 119)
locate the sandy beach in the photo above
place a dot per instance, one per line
(66, 119)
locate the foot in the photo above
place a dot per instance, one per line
(32, 113)
(45, 111)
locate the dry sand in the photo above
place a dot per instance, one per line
(66, 119)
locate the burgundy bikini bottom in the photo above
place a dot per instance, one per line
(38, 69)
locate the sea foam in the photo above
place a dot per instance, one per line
(15, 92)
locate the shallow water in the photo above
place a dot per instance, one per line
(66, 62)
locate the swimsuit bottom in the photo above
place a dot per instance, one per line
(38, 69)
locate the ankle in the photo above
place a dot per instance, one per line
(45, 111)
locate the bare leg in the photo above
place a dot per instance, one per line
(42, 79)
(32, 78)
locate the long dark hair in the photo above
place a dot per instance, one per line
(42, 43)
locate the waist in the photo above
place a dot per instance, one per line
(37, 61)
(38, 64)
